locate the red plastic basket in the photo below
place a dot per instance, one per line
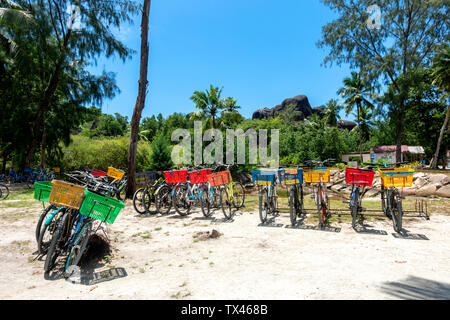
(359, 177)
(200, 176)
(219, 179)
(177, 176)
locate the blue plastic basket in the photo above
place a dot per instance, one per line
(290, 176)
(263, 178)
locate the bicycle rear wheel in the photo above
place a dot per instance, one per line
(41, 220)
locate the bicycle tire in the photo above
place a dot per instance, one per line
(181, 205)
(354, 206)
(163, 200)
(205, 202)
(41, 220)
(263, 205)
(138, 203)
(4, 191)
(78, 248)
(226, 204)
(292, 207)
(149, 198)
(47, 232)
(239, 195)
(54, 249)
(397, 212)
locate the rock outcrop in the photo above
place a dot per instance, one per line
(300, 103)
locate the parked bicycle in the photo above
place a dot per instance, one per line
(268, 198)
(4, 191)
(360, 179)
(392, 178)
(318, 175)
(293, 178)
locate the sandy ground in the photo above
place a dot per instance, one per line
(166, 257)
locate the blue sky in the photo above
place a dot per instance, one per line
(259, 51)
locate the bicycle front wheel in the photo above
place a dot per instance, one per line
(397, 211)
(238, 195)
(138, 202)
(226, 203)
(55, 248)
(78, 248)
(180, 200)
(354, 205)
(264, 206)
(163, 199)
(292, 207)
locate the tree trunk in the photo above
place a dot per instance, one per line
(434, 162)
(358, 107)
(398, 151)
(48, 95)
(140, 101)
(44, 136)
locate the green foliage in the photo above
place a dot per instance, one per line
(102, 153)
(160, 158)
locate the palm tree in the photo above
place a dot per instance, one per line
(365, 122)
(230, 104)
(357, 92)
(12, 14)
(332, 112)
(209, 102)
(441, 76)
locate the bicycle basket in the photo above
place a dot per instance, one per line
(177, 176)
(290, 176)
(359, 177)
(66, 194)
(115, 173)
(100, 207)
(201, 176)
(42, 190)
(219, 179)
(317, 175)
(144, 178)
(263, 178)
(398, 177)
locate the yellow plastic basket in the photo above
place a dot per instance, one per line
(115, 173)
(66, 194)
(398, 177)
(316, 175)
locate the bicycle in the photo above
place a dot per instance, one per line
(268, 198)
(231, 193)
(359, 179)
(315, 173)
(144, 197)
(293, 178)
(392, 178)
(187, 193)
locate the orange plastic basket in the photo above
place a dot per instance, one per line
(316, 175)
(66, 194)
(219, 178)
(115, 173)
(398, 177)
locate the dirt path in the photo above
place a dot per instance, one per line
(167, 257)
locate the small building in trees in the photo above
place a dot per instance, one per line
(387, 153)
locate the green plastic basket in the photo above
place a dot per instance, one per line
(101, 207)
(42, 190)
